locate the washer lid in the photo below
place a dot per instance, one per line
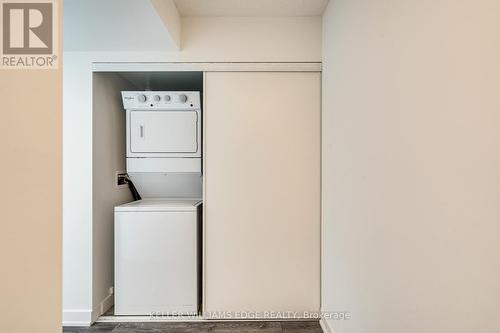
(160, 205)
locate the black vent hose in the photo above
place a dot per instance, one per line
(133, 190)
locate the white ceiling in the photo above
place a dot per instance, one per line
(134, 25)
(250, 7)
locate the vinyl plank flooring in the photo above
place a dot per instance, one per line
(96, 328)
(160, 328)
(202, 327)
(301, 327)
(245, 327)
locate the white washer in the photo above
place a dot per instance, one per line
(156, 257)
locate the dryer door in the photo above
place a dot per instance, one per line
(164, 132)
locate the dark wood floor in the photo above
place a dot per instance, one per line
(205, 327)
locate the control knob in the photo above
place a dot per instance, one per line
(157, 98)
(183, 98)
(141, 98)
(167, 98)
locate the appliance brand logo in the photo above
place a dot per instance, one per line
(28, 34)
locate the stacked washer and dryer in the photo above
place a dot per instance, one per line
(157, 238)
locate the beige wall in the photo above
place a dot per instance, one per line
(167, 11)
(411, 163)
(233, 39)
(108, 157)
(31, 169)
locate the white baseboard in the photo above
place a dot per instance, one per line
(326, 326)
(148, 319)
(102, 307)
(77, 317)
(107, 303)
(87, 317)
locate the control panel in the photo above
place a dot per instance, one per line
(161, 100)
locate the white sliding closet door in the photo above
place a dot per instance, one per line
(262, 191)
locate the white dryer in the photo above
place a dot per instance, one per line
(156, 257)
(164, 143)
(163, 131)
